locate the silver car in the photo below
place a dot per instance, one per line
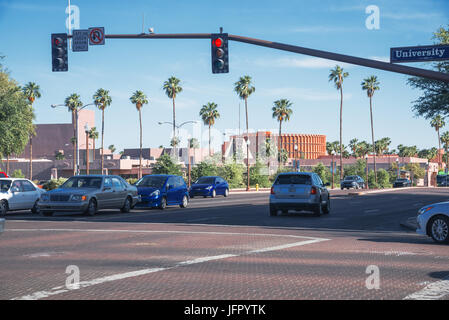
(299, 191)
(88, 194)
(433, 221)
(18, 194)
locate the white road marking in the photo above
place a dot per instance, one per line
(434, 291)
(372, 210)
(84, 284)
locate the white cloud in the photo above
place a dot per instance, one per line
(306, 94)
(306, 63)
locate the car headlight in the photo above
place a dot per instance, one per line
(424, 209)
(155, 194)
(77, 197)
(45, 197)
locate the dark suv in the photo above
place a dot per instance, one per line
(355, 182)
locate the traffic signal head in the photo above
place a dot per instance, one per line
(220, 56)
(59, 52)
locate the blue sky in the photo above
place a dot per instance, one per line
(123, 66)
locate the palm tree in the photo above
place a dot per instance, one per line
(371, 85)
(353, 146)
(269, 152)
(93, 134)
(244, 88)
(445, 139)
(332, 148)
(73, 103)
(282, 112)
(172, 88)
(112, 148)
(31, 91)
(337, 75)
(102, 100)
(437, 123)
(139, 99)
(382, 145)
(209, 114)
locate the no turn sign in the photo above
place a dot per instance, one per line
(96, 36)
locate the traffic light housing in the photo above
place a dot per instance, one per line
(220, 55)
(59, 52)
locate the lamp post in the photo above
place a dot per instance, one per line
(366, 180)
(397, 163)
(177, 127)
(296, 157)
(77, 166)
(86, 129)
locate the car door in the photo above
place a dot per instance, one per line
(182, 189)
(119, 192)
(172, 194)
(30, 194)
(17, 200)
(219, 187)
(323, 189)
(106, 195)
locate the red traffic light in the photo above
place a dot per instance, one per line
(218, 42)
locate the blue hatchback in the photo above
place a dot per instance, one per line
(160, 190)
(209, 187)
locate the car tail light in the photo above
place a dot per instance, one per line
(272, 190)
(313, 191)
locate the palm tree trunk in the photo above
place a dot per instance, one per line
(93, 158)
(140, 157)
(341, 129)
(74, 142)
(247, 146)
(102, 140)
(333, 170)
(372, 136)
(174, 129)
(31, 157)
(7, 165)
(439, 148)
(280, 143)
(209, 139)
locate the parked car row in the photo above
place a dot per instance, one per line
(90, 193)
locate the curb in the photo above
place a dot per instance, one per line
(410, 224)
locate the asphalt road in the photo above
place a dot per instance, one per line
(229, 248)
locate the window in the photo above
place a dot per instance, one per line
(206, 180)
(16, 186)
(152, 182)
(4, 185)
(117, 184)
(318, 180)
(294, 179)
(27, 186)
(171, 183)
(180, 182)
(107, 183)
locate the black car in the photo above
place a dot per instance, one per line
(402, 183)
(355, 182)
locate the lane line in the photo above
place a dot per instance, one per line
(120, 276)
(434, 291)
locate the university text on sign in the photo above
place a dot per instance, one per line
(419, 54)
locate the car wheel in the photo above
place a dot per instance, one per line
(214, 193)
(46, 213)
(327, 208)
(35, 208)
(226, 193)
(319, 209)
(273, 211)
(3, 208)
(91, 207)
(127, 206)
(185, 202)
(439, 229)
(163, 204)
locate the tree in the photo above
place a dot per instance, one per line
(435, 94)
(281, 112)
(93, 134)
(445, 140)
(112, 148)
(139, 99)
(428, 154)
(321, 170)
(172, 88)
(102, 100)
(59, 155)
(382, 145)
(73, 103)
(353, 146)
(407, 151)
(269, 151)
(166, 165)
(337, 76)
(371, 85)
(202, 169)
(332, 148)
(31, 91)
(16, 118)
(209, 114)
(244, 88)
(437, 123)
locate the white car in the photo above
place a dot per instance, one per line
(18, 194)
(433, 221)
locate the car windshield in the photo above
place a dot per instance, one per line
(294, 179)
(206, 180)
(5, 185)
(152, 182)
(401, 180)
(83, 182)
(349, 178)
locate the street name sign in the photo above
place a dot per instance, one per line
(96, 36)
(419, 54)
(80, 40)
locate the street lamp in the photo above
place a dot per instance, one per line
(366, 180)
(86, 129)
(397, 163)
(77, 166)
(177, 127)
(296, 157)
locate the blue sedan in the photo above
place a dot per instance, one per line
(209, 187)
(161, 190)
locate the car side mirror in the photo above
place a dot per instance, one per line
(107, 188)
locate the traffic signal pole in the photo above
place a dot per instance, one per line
(411, 71)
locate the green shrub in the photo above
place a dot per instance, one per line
(53, 184)
(233, 174)
(203, 169)
(258, 175)
(17, 174)
(166, 165)
(131, 180)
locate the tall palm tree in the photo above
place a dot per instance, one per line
(102, 100)
(31, 91)
(371, 85)
(73, 103)
(139, 99)
(209, 114)
(353, 146)
(93, 134)
(337, 76)
(281, 112)
(269, 152)
(244, 88)
(445, 139)
(437, 123)
(172, 89)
